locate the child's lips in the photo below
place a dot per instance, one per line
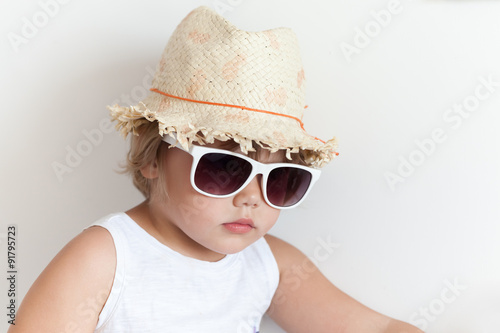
(240, 226)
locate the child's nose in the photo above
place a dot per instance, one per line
(251, 195)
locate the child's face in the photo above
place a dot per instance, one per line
(203, 223)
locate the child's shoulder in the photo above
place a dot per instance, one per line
(92, 250)
(95, 246)
(82, 270)
(87, 262)
(89, 259)
(286, 255)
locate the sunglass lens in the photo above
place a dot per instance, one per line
(286, 186)
(221, 174)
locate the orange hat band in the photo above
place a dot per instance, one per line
(235, 106)
(230, 105)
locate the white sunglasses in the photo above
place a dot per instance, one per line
(219, 173)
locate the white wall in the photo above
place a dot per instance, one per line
(396, 249)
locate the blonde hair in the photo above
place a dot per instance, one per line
(146, 148)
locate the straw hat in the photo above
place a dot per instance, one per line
(215, 81)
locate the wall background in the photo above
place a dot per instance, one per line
(425, 250)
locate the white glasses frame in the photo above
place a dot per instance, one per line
(263, 169)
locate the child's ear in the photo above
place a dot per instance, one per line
(150, 171)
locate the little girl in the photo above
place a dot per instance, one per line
(218, 149)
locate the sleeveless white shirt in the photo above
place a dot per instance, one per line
(157, 289)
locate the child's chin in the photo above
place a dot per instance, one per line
(232, 248)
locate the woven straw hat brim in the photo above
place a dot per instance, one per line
(192, 122)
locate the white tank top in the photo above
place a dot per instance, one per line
(157, 289)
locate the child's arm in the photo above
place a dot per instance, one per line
(306, 301)
(69, 294)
